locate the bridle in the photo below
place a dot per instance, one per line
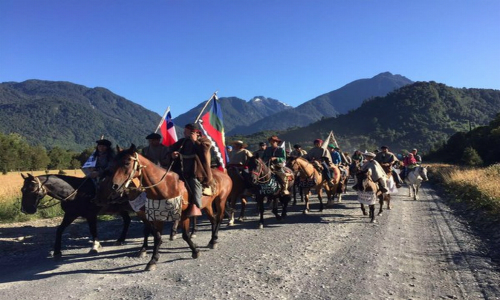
(137, 169)
(261, 178)
(41, 192)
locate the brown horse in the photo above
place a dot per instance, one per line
(308, 173)
(368, 193)
(238, 191)
(390, 184)
(162, 186)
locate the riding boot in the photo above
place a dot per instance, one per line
(382, 185)
(284, 183)
(397, 179)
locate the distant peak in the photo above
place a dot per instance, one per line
(384, 74)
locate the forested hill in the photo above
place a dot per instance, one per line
(422, 115)
(71, 116)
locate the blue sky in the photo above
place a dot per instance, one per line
(177, 53)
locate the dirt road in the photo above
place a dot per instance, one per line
(417, 250)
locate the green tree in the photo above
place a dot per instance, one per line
(470, 157)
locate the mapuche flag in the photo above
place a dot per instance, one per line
(168, 131)
(212, 125)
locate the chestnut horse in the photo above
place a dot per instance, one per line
(266, 184)
(308, 173)
(368, 191)
(238, 191)
(161, 185)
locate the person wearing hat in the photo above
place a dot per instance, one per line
(156, 151)
(317, 153)
(276, 157)
(240, 155)
(378, 174)
(262, 148)
(194, 169)
(417, 157)
(387, 158)
(335, 154)
(297, 151)
(103, 158)
(409, 163)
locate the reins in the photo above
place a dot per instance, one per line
(261, 179)
(44, 193)
(137, 167)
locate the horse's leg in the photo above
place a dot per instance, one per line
(372, 213)
(388, 199)
(146, 232)
(195, 253)
(417, 186)
(92, 222)
(275, 208)
(67, 220)
(294, 194)
(306, 199)
(244, 202)
(320, 198)
(301, 191)
(156, 229)
(381, 203)
(260, 204)
(173, 230)
(215, 225)
(284, 205)
(363, 209)
(230, 210)
(126, 224)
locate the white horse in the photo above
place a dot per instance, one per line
(414, 179)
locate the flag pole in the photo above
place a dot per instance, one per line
(162, 119)
(214, 95)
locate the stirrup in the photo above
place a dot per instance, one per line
(193, 211)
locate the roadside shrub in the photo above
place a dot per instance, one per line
(470, 157)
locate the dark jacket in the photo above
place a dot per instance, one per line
(196, 159)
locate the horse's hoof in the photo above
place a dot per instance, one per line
(173, 237)
(193, 235)
(306, 211)
(278, 218)
(230, 223)
(261, 226)
(141, 254)
(365, 213)
(195, 254)
(119, 243)
(379, 214)
(373, 221)
(284, 215)
(57, 255)
(240, 219)
(93, 252)
(150, 267)
(212, 245)
(389, 207)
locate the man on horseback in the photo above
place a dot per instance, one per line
(103, 157)
(386, 158)
(262, 148)
(378, 174)
(409, 163)
(418, 158)
(193, 166)
(297, 152)
(156, 152)
(335, 155)
(238, 158)
(276, 157)
(323, 157)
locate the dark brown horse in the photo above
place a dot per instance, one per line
(266, 185)
(77, 200)
(236, 174)
(368, 193)
(308, 173)
(162, 186)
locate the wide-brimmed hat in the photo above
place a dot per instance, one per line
(297, 146)
(239, 142)
(274, 138)
(384, 147)
(153, 136)
(369, 154)
(193, 127)
(103, 142)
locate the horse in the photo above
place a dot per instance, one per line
(368, 193)
(164, 188)
(238, 191)
(76, 196)
(414, 179)
(390, 183)
(343, 180)
(266, 184)
(312, 178)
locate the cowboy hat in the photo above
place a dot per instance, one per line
(104, 142)
(193, 127)
(153, 136)
(274, 138)
(370, 154)
(239, 142)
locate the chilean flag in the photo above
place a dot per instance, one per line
(167, 130)
(212, 125)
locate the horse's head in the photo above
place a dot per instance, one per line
(258, 170)
(364, 181)
(422, 171)
(126, 168)
(32, 191)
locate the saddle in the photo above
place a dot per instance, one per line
(317, 165)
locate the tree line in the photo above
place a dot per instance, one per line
(17, 155)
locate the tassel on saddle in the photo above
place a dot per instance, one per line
(210, 189)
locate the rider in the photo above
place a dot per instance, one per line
(297, 151)
(409, 163)
(240, 155)
(418, 158)
(357, 157)
(275, 156)
(262, 148)
(387, 158)
(321, 155)
(334, 154)
(378, 174)
(156, 152)
(103, 157)
(194, 164)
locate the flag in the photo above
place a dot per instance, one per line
(282, 145)
(329, 140)
(90, 163)
(167, 130)
(212, 125)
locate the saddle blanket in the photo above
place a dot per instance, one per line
(164, 210)
(306, 182)
(269, 188)
(367, 198)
